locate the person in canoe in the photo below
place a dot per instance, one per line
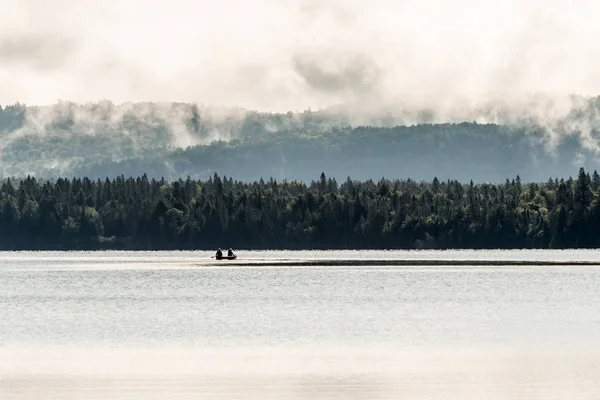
(230, 255)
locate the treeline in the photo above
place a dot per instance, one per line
(142, 213)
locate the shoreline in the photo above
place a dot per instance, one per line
(398, 263)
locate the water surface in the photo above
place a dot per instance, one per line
(132, 325)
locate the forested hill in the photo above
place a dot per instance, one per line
(450, 151)
(142, 213)
(175, 140)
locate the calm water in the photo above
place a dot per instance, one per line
(141, 325)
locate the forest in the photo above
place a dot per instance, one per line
(145, 213)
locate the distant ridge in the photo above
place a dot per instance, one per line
(535, 137)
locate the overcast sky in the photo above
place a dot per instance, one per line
(290, 55)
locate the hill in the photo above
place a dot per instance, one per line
(173, 140)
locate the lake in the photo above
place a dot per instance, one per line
(180, 325)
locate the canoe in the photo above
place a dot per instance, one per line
(226, 258)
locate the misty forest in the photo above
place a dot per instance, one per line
(142, 213)
(184, 176)
(176, 140)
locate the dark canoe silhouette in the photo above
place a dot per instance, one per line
(226, 257)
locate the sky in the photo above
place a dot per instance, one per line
(281, 55)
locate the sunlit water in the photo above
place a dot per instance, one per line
(178, 325)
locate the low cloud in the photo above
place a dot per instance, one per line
(36, 52)
(281, 56)
(346, 74)
(517, 62)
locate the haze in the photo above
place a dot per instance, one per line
(280, 56)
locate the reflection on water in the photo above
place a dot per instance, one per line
(100, 331)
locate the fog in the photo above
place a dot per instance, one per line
(280, 56)
(90, 69)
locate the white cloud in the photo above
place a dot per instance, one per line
(282, 55)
